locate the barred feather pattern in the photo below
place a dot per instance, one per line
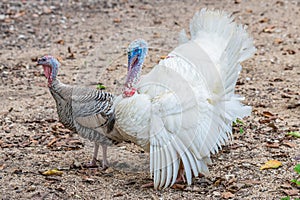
(75, 103)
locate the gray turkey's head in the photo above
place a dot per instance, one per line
(137, 52)
(50, 65)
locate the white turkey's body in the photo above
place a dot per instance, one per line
(184, 108)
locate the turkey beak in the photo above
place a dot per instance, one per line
(39, 62)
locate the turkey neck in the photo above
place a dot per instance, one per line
(62, 95)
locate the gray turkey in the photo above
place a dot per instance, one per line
(84, 110)
(182, 111)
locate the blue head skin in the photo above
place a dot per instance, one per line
(50, 65)
(137, 52)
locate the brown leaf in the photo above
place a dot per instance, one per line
(289, 144)
(291, 192)
(291, 51)
(269, 29)
(119, 194)
(52, 172)
(237, 1)
(250, 182)
(278, 41)
(286, 186)
(273, 126)
(19, 14)
(71, 56)
(264, 121)
(267, 114)
(2, 166)
(272, 145)
(177, 186)
(62, 42)
(231, 181)
(218, 182)
(25, 144)
(157, 22)
(281, 3)
(75, 142)
(117, 20)
(52, 142)
(271, 164)
(87, 179)
(264, 20)
(286, 96)
(227, 195)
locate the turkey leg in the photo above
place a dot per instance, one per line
(93, 163)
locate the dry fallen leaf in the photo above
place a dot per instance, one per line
(177, 186)
(227, 195)
(119, 194)
(272, 145)
(278, 41)
(2, 166)
(62, 42)
(267, 114)
(291, 51)
(270, 29)
(52, 172)
(264, 20)
(52, 142)
(271, 164)
(286, 186)
(291, 192)
(87, 179)
(19, 14)
(250, 182)
(117, 20)
(289, 144)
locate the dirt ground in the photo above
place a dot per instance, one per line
(91, 38)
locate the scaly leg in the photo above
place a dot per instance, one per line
(93, 162)
(104, 157)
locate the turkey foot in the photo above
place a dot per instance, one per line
(93, 163)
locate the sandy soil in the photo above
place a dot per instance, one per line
(91, 38)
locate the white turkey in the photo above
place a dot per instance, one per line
(84, 110)
(182, 111)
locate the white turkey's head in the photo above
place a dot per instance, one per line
(50, 65)
(137, 52)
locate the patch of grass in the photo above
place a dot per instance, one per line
(288, 198)
(100, 86)
(297, 170)
(239, 123)
(294, 134)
